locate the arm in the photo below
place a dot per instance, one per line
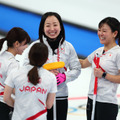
(84, 63)
(7, 96)
(113, 78)
(72, 62)
(50, 100)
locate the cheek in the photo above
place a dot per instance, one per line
(46, 30)
(21, 49)
(98, 33)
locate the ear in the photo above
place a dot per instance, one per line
(115, 34)
(16, 44)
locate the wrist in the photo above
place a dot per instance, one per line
(104, 74)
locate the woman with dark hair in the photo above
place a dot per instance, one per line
(34, 86)
(108, 72)
(17, 40)
(52, 33)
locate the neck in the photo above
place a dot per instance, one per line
(11, 50)
(108, 47)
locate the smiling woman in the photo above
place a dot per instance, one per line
(17, 40)
(107, 72)
(52, 33)
(52, 27)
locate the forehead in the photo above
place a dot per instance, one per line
(104, 26)
(51, 19)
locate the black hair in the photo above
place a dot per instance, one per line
(37, 56)
(15, 34)
(41, 27)
(114, 24)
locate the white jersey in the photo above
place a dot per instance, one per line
(65, 53)
(30, 100)
(109, 62)
(7, 64)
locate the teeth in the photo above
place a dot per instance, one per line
(52, 33)
(101, 38)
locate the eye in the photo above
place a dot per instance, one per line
(99, 30)
(47, 26)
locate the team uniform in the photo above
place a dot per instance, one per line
(106, 91)
(30, 100)
(67, 54)
(7, 64)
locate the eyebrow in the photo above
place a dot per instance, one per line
(53, 22)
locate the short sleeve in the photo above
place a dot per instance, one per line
(9, 80)
(91, 57)
(12, 66)
(53, 84)
(118, 61)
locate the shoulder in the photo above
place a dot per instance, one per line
(67, 45)
(19, 72)
(37, 41)
(116, 51)
(8, 58)
(98, 50)
(34, 42)
(117, 48)
(46, 74)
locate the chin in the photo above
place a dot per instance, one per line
(52, 37)
(102, 42)
(19, 53)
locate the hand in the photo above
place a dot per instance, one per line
(61, 77)
(98, 72)
(55, 72)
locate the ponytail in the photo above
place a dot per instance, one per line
(38, 55)
(1, 42)
(33, 76)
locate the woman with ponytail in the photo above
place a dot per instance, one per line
(16, 40)
(35, 87)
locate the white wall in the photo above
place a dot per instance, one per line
(82, 12)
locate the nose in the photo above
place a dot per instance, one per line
(51, 27)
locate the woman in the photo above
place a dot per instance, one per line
(34, 86)
(108, 73)
(17, 40)
(51, 33)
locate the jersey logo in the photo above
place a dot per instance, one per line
(63, 50)
(33, 89)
